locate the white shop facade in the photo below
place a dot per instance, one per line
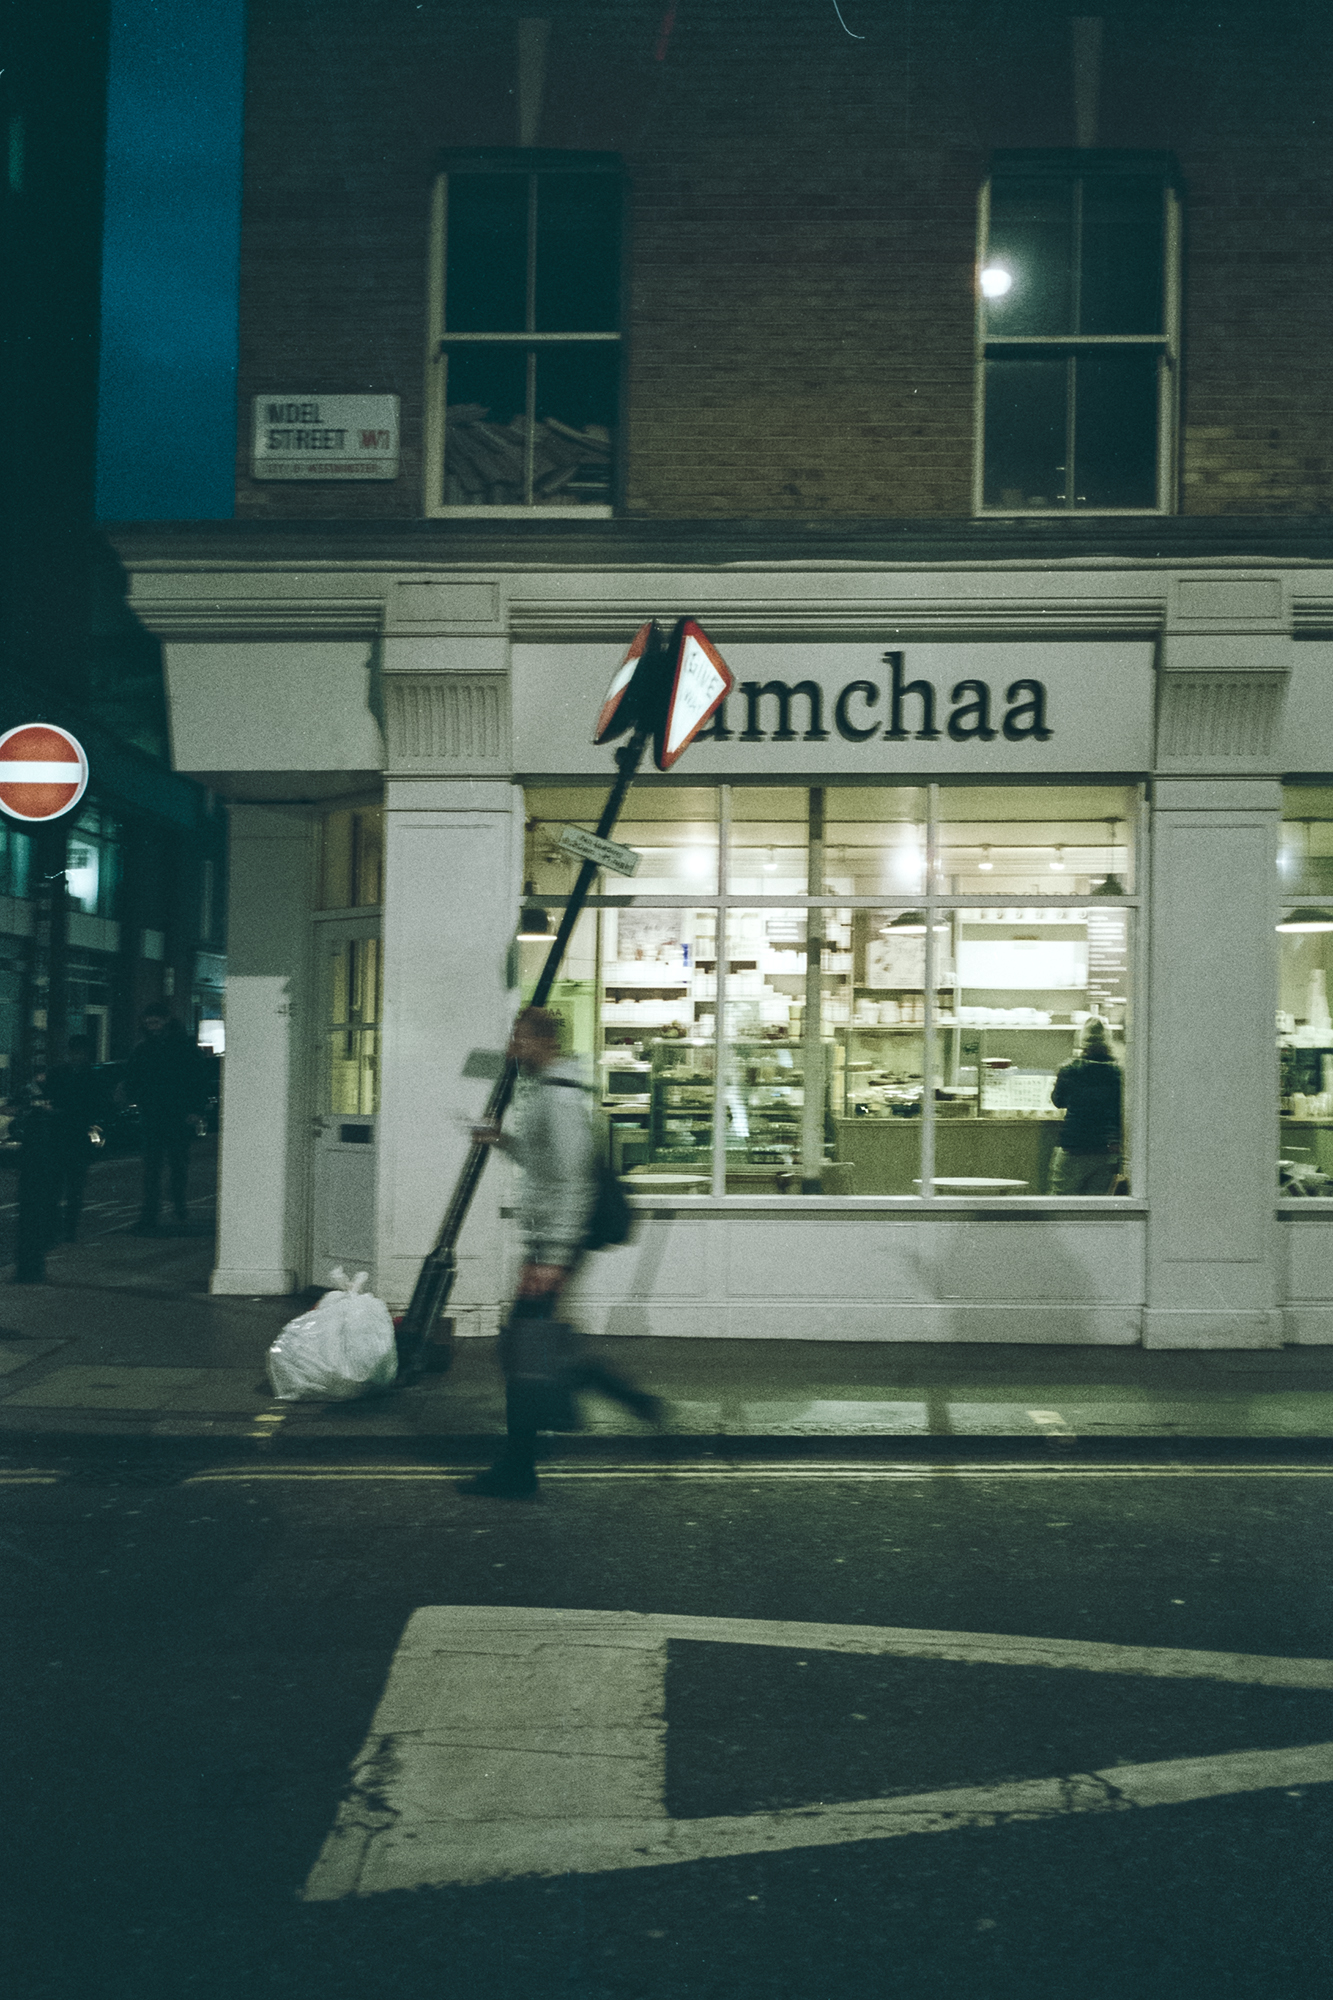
(950, 813)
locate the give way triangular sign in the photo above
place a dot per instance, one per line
(698, 682)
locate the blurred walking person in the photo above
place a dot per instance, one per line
(78, 1100)
(556, 1150)
(164, 1079)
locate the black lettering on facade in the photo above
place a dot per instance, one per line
(845, 726)
(970, 721)
(924, 693)
(1026, 719)
(754, 693)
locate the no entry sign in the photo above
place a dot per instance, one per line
(43, 772)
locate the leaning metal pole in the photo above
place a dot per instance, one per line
(435, 1280)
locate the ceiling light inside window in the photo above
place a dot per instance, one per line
(1059, 861)
(996, 281)
(985, 864)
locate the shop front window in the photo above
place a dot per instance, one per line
(883, 1016)
(1305, 974)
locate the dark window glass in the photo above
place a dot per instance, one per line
(1026, 402)
(1031, 237)
(576, 414)
(1115, 428)
(578, 254)
(485, 427)
(486, 268)
(1121, 275)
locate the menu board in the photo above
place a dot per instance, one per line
(1108, 961)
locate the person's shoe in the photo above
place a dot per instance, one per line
(498, 1484)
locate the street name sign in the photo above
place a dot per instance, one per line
(43, 772)
(606, 853)
(325, 437)
(698, 682)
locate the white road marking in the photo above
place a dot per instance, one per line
(517, 1742)
(740, 1469)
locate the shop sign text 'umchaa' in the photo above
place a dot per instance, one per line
(901, 710)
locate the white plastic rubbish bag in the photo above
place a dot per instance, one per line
(344, 1348)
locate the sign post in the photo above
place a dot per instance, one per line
(664, 690)
(43, 775)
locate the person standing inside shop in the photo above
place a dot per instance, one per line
(163, 1078)
(554, 1145)
(1089, 1091)
(77, 1096)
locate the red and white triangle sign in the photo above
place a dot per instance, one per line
(698, 682)
(614, 703)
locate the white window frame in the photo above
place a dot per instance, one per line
(439, 341)
(1167, 344)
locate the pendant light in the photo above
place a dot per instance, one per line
(1307, 920)
(534, 922)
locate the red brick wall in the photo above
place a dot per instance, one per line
(803, 227)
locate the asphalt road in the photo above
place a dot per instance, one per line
(193, 1661)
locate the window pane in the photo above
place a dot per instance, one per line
(1121, 278)
(1050, 840)
(485, 427)
(486, 266)
(1305, 1055)
(874, 840)
(769, 833)
(658, 987)
(780, 1135)
(1028, 1090)
(1115, 429)
(1026, 401)
(1305, 853)
(1031, 239)
(576, 417)
(673, 830)
(351, 859)
(578, 253)
(874, 1015)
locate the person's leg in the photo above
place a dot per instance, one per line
(513, 1476)
(75, 1175)
(178, 1161)
(154, 1151)
(604, 1381)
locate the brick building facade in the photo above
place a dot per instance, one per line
(802, 230)
(961, 371)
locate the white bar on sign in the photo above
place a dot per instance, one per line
(20, 773)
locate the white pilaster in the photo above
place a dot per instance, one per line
(453, 850)
(263, 1196)
(1213, 1249)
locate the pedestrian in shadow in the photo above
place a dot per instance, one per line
(164, 1078)
(78, 1099)
(556, 1150)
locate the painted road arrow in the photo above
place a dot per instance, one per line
(513, 1742)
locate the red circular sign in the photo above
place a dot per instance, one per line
(43, 771)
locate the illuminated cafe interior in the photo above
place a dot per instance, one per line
(886, 980)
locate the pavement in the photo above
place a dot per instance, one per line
(123, 1342)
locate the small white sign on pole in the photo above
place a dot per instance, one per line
(325, 437)
(606, 853)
